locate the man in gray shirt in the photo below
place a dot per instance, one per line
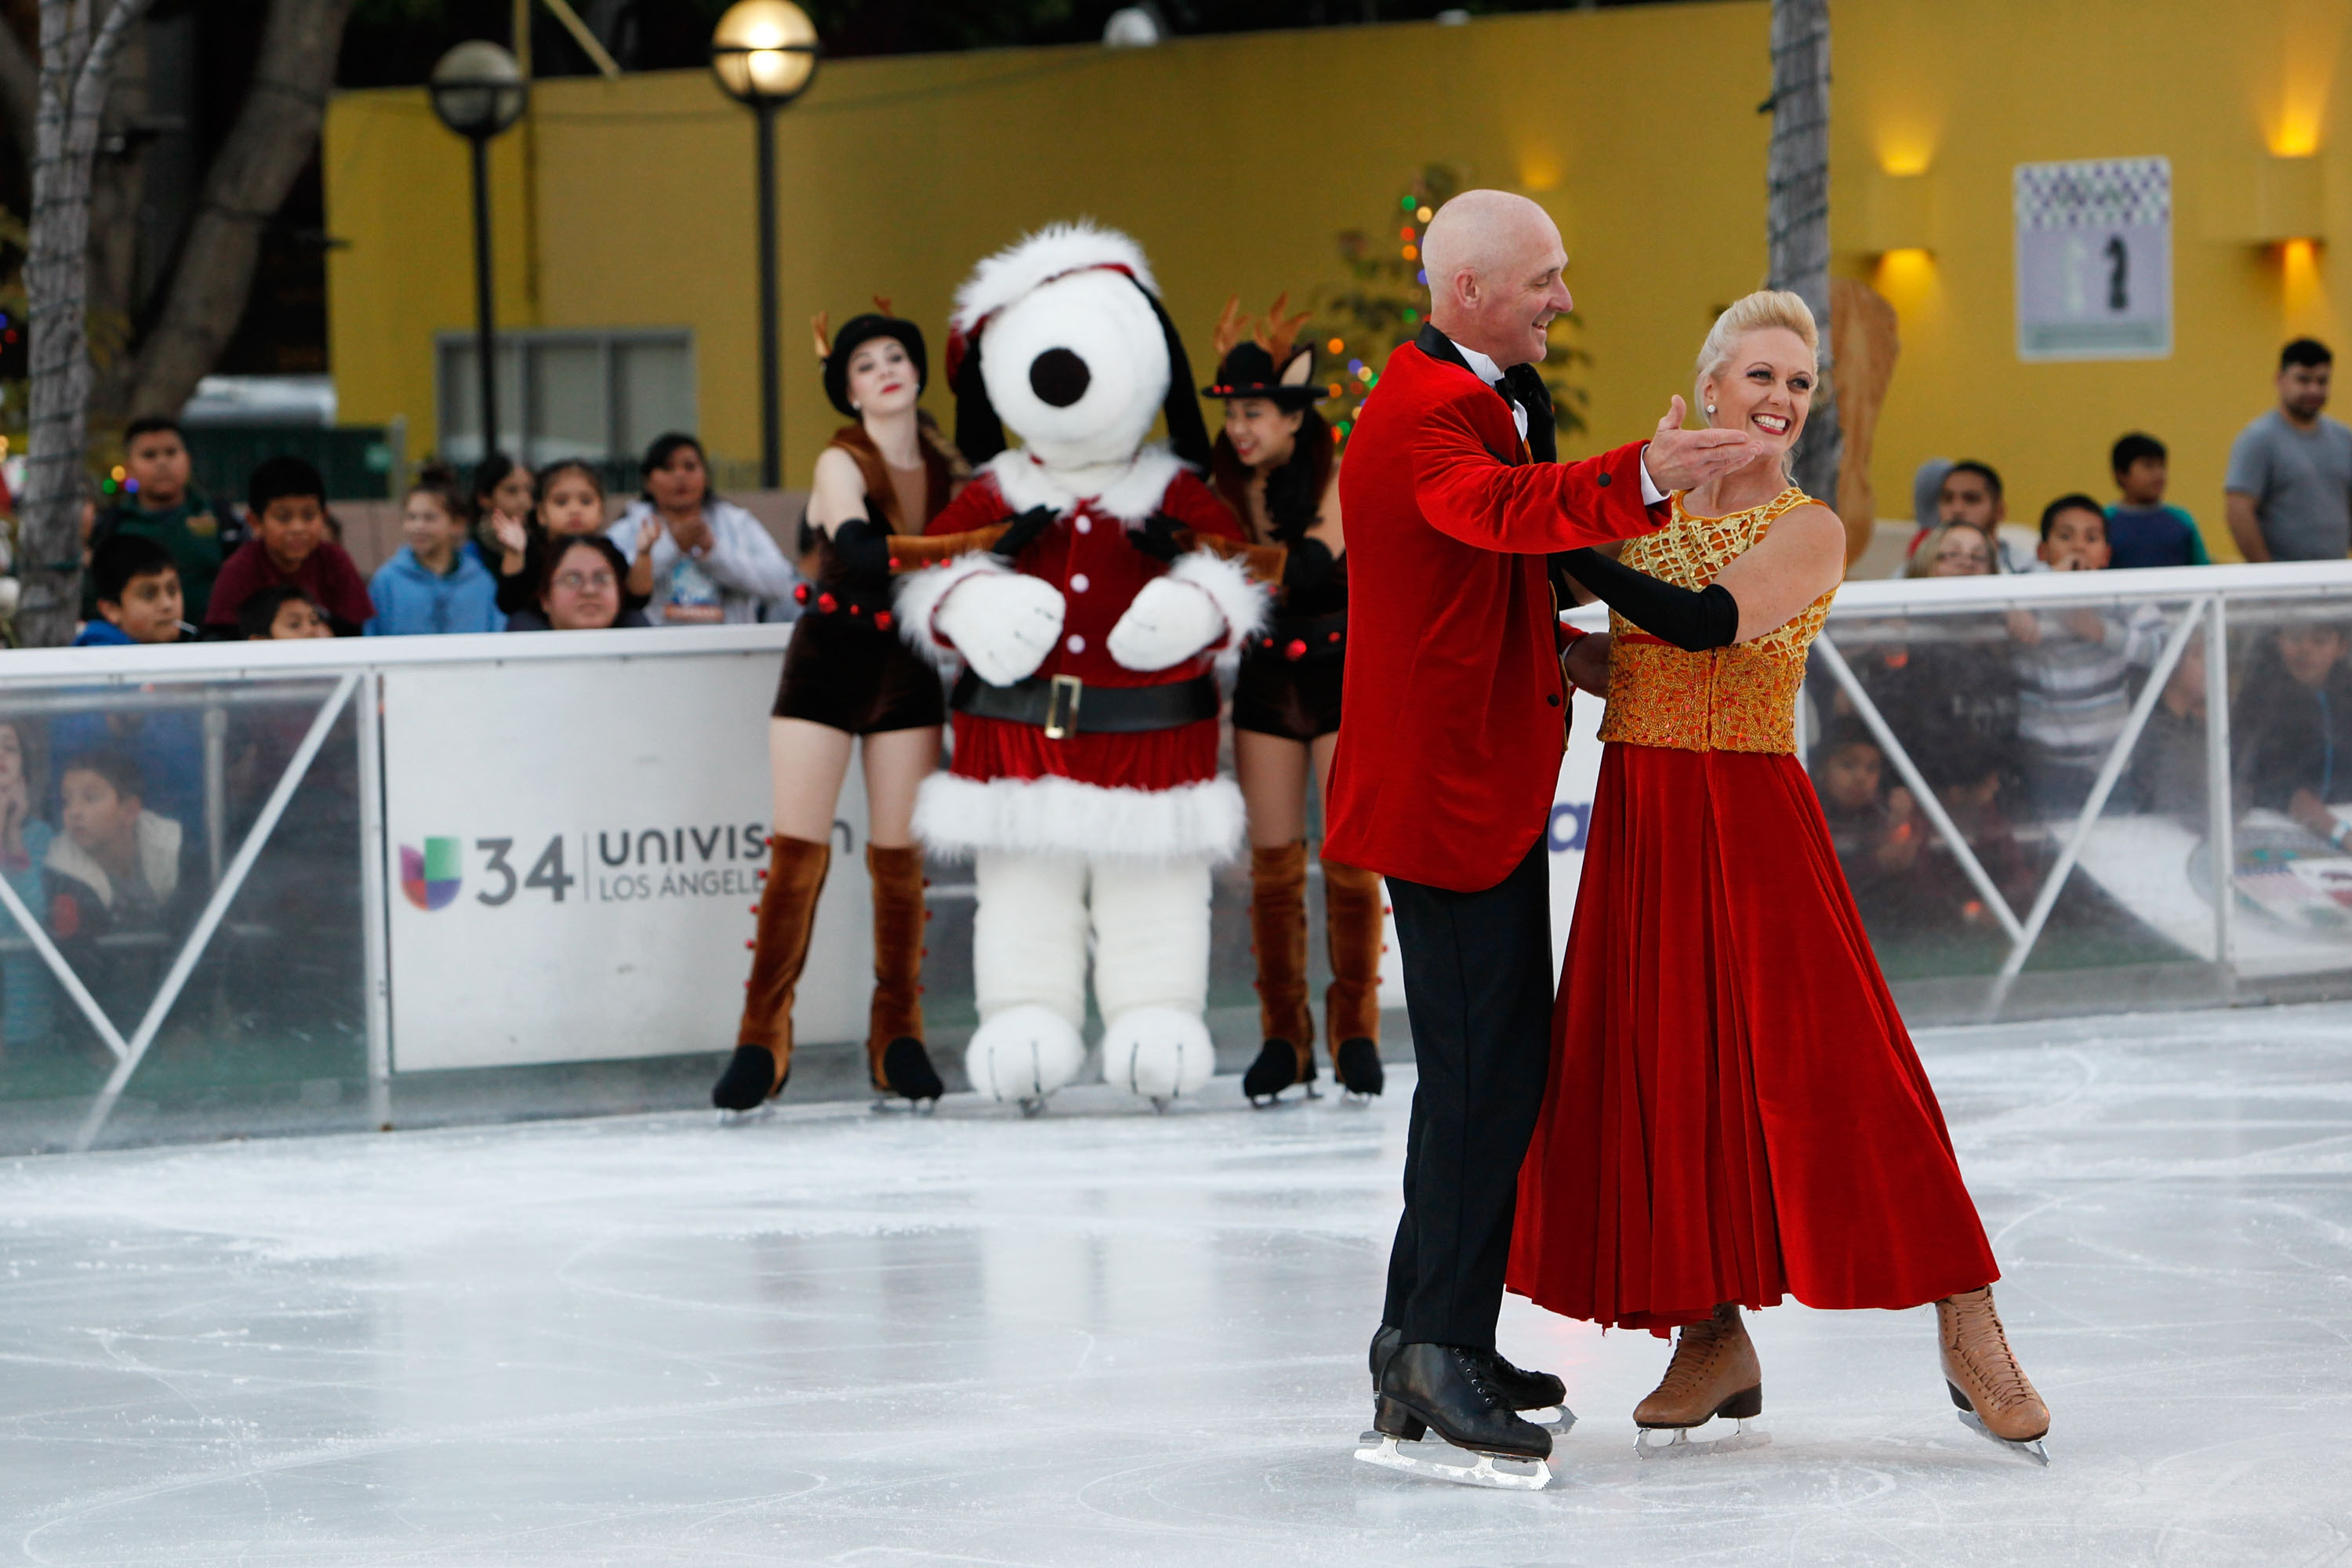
(2289, 487)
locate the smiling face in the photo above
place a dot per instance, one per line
(882, 379)
(1961, 553)
(1263, 435)
(292, 527)
(1765, 388)
(429, 528)
(1078, 368)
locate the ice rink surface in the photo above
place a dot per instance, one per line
(1105, 1337)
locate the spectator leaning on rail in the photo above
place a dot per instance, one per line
(433, 584)
(580, 589)
(159, 503)
(712, 562)
(2074, 667)
(118, 871)
(2142, 531)
(137, 589)
(2289, 487)
(2293, 728)
(286, 502)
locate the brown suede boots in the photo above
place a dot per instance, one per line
(1278, 936)
(796, 869)
(1352, 908)
(896, 1061)
(1351, 1005)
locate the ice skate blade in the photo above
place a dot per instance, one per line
(1676, 1443)
(1524, 1476)
(1554, 1419)
(1031, 1105)
(759, 1112)
(2033, 1449)
(1356, 1097)
(891, 1105)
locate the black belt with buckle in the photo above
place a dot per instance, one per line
(1063, 705)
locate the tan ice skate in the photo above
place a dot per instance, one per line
(1714, 1372)
(1994, 1395)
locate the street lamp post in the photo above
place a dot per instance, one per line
(764, 53)
(478, 92)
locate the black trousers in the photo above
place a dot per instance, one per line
(1478, 988)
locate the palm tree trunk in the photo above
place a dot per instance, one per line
(77, 61)
(1797, 210)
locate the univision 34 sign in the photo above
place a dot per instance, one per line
(593, 865)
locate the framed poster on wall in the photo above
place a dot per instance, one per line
(2095, 259)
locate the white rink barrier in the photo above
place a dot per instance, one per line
(555, 840)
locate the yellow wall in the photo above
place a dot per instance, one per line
(1234, 161)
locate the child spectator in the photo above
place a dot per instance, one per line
(138, 592)
(160, 503)
(118, 873)
(2294, 729)
(2169, 766)
(2141, 530)
(712, 561)
(1877, 831)
(579, 589)
(2074, 535)
(501, 488)
(281, 613)
(28, 994)
(571, 503)
(1953, 550)
(288, 502)
(2074, 667)
(433, 584)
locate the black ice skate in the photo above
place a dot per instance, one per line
(1276, 1069)
(1538, 1397)
(1358, 1066)
(750, 1081)
(908, 1075)
(1446, 1388)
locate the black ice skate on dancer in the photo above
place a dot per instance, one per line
(750, 1081)
(1276, 1069)
(1447, 1388)
(907, 1074)
(1538, 1397)
(1358, 1066)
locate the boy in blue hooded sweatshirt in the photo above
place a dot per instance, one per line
(434, 584)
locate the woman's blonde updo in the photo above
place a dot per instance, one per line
(1765, 309)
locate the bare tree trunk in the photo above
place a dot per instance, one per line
(276, 132)
(76, 61)
(118, 188)
(1796, 211)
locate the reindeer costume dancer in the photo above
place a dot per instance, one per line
(1275, 465)
(849, 677)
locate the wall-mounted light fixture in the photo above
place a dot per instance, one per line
(2265, 199)
(1898, 213)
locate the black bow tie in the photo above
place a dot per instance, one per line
(1523, 385)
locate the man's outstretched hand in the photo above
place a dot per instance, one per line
(1680, 460)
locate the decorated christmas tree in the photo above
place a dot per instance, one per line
(1360, 323)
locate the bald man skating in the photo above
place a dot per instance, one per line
(1452, 725)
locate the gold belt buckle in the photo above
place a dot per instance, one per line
(1062, 716)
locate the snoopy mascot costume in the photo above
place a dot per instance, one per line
(1089, 584)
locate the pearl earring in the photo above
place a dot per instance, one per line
(1710, 408)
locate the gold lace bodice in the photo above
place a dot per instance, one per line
(1737, 699)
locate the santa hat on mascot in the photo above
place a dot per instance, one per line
(1084, 781)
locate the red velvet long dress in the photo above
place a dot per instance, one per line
(1735, 1111)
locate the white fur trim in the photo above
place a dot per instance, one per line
(1023, 1053)
(1037, 260)
(1241, 598)
(916, 601)
(1129, 491)
(956, 815)
(1158, 1053)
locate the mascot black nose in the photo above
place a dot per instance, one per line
(1059, 376)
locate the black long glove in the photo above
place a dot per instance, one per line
(1157, 537)
(864, 553)
(1308, 564)
(1023, 533)
(1693, 621)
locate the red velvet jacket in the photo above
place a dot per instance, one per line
(1452, 715)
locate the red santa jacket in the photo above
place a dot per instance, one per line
(1453, 710)
(1009, 786)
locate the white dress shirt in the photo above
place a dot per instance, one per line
(1483, 367)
